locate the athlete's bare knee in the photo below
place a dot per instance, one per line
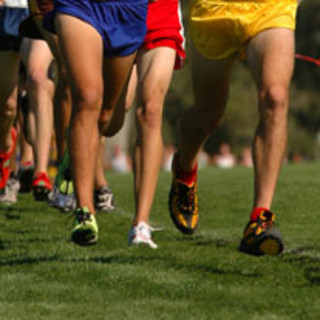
(274, 102)
(37, 78)
(151, 115)
(9, 110)
(88, 100)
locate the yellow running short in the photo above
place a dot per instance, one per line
(221, 28)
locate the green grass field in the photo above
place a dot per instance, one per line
(44, 276)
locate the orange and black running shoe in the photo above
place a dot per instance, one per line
(260, 237)
(183, 203)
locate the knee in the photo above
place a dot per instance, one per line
(87, 100)
(9, 110)
(37, 79)
(150, 116)
(274, 102)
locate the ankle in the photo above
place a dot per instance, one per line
(186, 176)
(256, 211)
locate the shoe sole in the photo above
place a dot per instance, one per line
(271, 245)
(105, 210)
(78, 237)
(184, 230)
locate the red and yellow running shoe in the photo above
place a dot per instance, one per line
(5, 159)
(41, 186)
(260, 237)
(183, 201)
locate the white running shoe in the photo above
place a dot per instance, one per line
(141, 234)
(9, 194)
(104, 199)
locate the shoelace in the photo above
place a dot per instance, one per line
(264, 224)
(186, 195)
(143, 231)
(13, 184)
(141, 227)
(81, 216)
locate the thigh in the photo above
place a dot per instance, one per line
(155, 68)
(211, 79)
(9, 69)
(82, 51)
(36, 55)
(131, 91)
(270, 56)
(116, 72)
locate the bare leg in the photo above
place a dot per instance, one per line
(62, 97)
(155, 69)
(271, 58)
(9, 67)
(37, 58)
(211, 87)
(87, 89)
(117, 71)
(100, 179)
(87, 79)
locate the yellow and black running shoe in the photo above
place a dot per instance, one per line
(183, 204)
(85, 229)
(260, 237)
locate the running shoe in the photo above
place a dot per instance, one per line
(104, 199)
(85, 229)
(64, 180)
(41, 186)
(9, 195)
(141, 235)
(183, 203)
(260, 237)
(25, 174)
(63, 202)
(5, 161)
(62, 195)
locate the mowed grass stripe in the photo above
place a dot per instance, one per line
(44, 276)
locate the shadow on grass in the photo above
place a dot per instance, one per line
(201, 241)
(136, 259)
(308, 260)
(29, 260)
(12, 213)
(9, 213)
(174, 264)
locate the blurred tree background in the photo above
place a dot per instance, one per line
(241, 117)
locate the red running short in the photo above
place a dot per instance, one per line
(165, 28)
